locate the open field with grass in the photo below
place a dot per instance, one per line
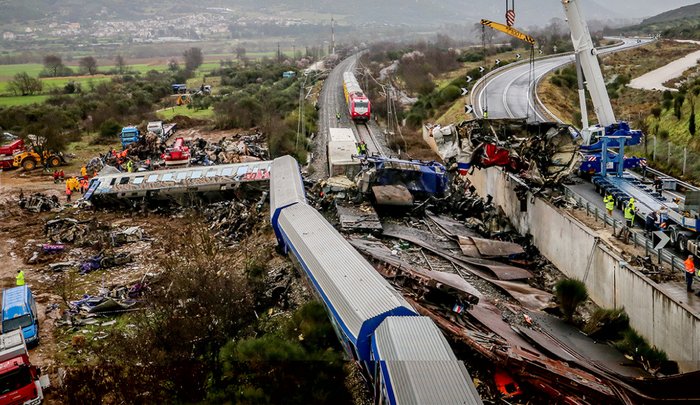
(168, 113)
(20, 100)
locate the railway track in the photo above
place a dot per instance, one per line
(365, 134)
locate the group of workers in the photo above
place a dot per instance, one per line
(77, 183)
(653, 221)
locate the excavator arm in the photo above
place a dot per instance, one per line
(509, 30)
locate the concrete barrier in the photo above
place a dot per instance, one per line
(579, 253)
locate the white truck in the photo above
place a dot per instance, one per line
(163, 131)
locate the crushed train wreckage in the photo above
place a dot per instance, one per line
(542, 153)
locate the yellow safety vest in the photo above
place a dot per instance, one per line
(20, 278)
(609, 202)
(629, 212)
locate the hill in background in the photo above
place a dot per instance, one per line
(358, 12)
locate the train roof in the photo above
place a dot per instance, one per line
(351, 84)
(341, 134)
(286, 186)
(419, 365)
(357, 295)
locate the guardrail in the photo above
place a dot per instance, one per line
(637, 238)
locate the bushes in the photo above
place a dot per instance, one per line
(300, 365)
(607, 324)
(450, 93)
(471, 57)
(570, 294)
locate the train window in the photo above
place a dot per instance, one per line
(113, 182)
(360, 104)
(152, 178)
(196, 174)
(124, 180)
(168, 177)
(242, 170)
(138, 180)
(182, 175)
(227, 171)
(212, 173)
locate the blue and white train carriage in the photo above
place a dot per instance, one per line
(395, 347)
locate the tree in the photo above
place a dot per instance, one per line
(691, 122)
(88, 64)
(53, 64)
(240, 53)
(120, 64)
(25, 85)
(193, 58)
(173, 65)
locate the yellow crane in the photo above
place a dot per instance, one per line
(509, 30)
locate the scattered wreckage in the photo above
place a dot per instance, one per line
(542, 153)
(39, 202)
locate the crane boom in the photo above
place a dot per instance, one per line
(509, 30)
(583, 46)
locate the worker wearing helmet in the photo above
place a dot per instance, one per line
(609, 201)
(630, 210)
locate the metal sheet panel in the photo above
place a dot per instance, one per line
(341, 135)
(349, 283)
(286, 186)
(425, 373)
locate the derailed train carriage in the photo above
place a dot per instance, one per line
(208, 183)
(403, 355)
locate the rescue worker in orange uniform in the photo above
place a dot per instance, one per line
(689, 272)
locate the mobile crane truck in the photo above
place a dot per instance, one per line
(682, 217)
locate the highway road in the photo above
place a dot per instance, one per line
(509, 92)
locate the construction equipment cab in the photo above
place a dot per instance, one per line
(19, 312)
(19, 379)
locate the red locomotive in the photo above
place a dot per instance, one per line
(357, 101)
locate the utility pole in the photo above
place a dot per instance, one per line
(332, 36)
(279, 54)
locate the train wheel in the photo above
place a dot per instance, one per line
(28, 164)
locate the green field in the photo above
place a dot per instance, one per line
(7, 101)
(51, 83)
(7, 72)
(168, 113)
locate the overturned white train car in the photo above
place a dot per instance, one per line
(204, 182)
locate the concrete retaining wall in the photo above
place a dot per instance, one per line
(576, 250)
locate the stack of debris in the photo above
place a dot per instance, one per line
(108, 301)
(69, 230)
(39, 202)
(233, 220)
(104, 261)
(541, 153)
(240, 149)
